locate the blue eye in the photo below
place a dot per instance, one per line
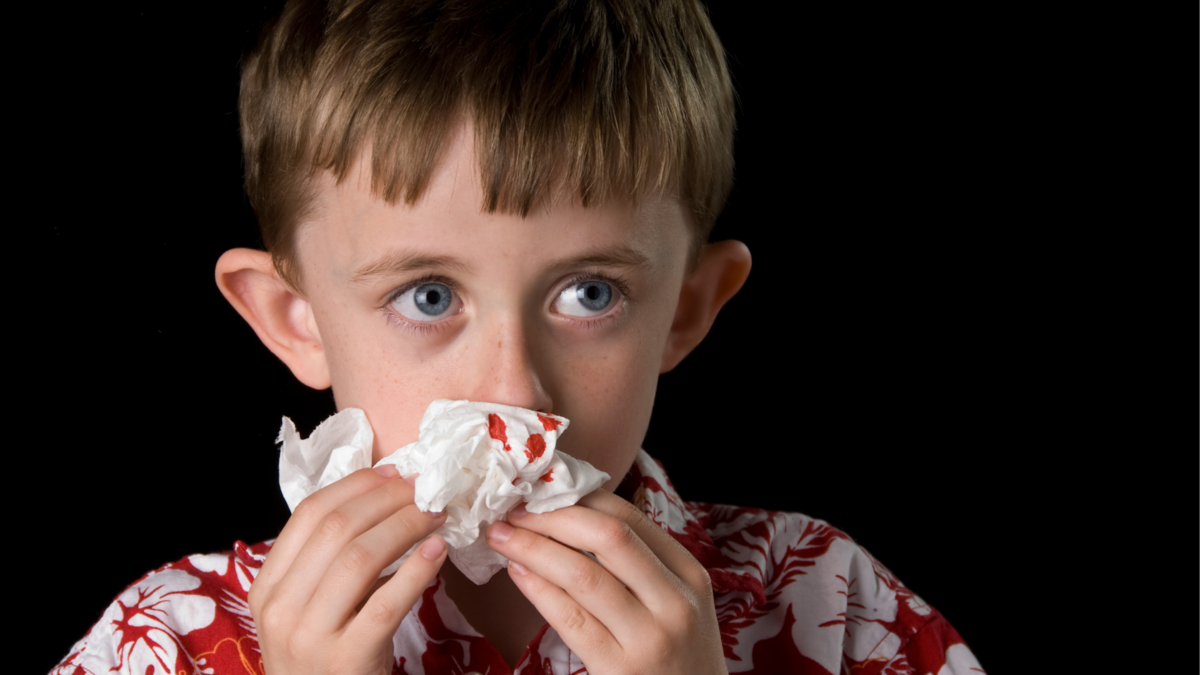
(587, 298)
(427, 302)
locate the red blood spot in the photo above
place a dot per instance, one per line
(549, 423)
(548, 477)
(498, 430)
(516, 480)
(536, 446)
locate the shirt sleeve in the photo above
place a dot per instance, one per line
(825, 605)
(186, 616)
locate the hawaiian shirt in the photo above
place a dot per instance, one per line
(793, 595)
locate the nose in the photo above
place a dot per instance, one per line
(507, 370)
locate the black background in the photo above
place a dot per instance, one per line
(905, 361)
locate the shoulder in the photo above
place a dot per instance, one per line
(805, 596)
(187, 614)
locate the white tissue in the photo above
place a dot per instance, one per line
(338, 447)
(474, 461)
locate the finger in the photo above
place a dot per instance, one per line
(585, 634)
(616, 546)
(665, 547)
(589, 584)
(307, 516)
(381, 616)
(333, 533)
(357, 566)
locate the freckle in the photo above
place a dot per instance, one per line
(500, 343)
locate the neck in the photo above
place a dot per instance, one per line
(497, 610)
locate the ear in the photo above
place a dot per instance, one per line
(280, 316)
(720, 273)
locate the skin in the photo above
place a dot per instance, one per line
(508, 337)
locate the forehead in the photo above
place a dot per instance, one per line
(350, 228)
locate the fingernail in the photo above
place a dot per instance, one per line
(518, 512)
(499, 531)
(411, 480)
(433, 548)
(387, 470)
(434, 514)
(517, 568)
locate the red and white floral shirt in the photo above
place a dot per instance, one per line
(793, 595)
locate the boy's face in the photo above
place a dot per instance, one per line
(567, 310)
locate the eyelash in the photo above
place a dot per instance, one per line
(421, 328)
(426, 328)
(616, 282)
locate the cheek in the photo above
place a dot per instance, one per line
(370, 371)
(608, 396)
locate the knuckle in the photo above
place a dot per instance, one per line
(679, 611)
(382, 609)
(307, 511)
(699, 579)
(616, 533)
(334, 525)
(270, 622)
(633, 517)
(524, 542)
(586, 577)
(356, 556)
(254, 600)
(657, 642)
(574, 618)
(404, 526)
(295, 643)
(398, 490)
(629, 513)
(416, 520)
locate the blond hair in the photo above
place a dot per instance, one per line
(581, 98)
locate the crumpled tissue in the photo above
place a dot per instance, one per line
(474, 461)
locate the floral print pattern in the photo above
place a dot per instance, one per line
(793, 595)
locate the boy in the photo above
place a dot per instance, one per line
(503, 204)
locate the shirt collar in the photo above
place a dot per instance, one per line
(647, 487)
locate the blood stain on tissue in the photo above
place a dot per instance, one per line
(499, 431)
(549, 423)
(535, 447)
(548, 477)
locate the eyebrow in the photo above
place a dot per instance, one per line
(400, 262)
(620, 256)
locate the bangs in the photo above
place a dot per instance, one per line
(567, 100)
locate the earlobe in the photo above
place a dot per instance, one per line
(718, 276)
(279, 315)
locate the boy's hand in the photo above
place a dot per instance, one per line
(647, 607)
(312, 601)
